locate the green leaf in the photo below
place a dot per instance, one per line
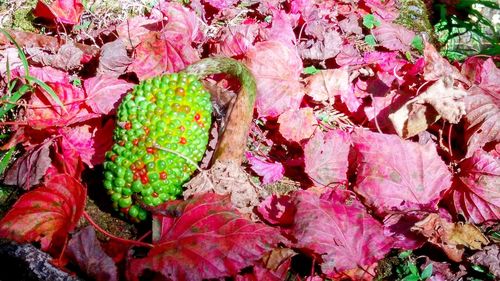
(427, 272)
(370, 40)
(418, 43)
(413, 268)
(411, 277)
(10, 101)
(310, 70)
(370, 21)
(22, 56)
(5, 159)
(478, 268)
(405, 254)
(48, 89)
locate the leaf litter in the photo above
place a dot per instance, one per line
(386, 147)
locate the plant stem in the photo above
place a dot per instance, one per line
(232, 144)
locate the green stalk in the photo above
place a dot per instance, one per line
(232, 144)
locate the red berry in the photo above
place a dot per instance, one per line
(128, 126)
(150, 150)
(163, 175)
(183, 140)
(135, 142)
(197, 117)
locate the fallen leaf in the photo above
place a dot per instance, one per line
(29, 169)
(156, 55)
(451, 237)
(236, 40)
(387, 10)
(282, 28)
(113, 59)
(85, 250)
(324, 49)
(68, 57)
(206, 238)
(476, 193)
(270, 172)
(221, 4)
(182, 23)
(277, 210)
(47, 213)
(277, 70)
(65, 161)
(437, 67)
(394, 36)
(133, 30)
(398, 175)
(438, 101)
(338, 228)
(104, 93)
(63, 11)
(326, 157)
(488, 257)
(481, 120)
(297, 124)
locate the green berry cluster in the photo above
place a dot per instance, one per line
(160, 123)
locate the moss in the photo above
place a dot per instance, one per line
(23, 19)
(413, 14)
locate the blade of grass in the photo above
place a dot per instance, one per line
(4, 162)
(10, 102)
(48, 89)
(22, 56)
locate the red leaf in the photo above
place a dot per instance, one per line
(66, 161)
(236, 40)
(30, 168)
(398, 175)
(277, 210)
(47, 213)
(481, 120)
(297, 124)
(326, 157)
(339, 229)
(104, 93)
(207, 239)
(387, 9)
(133, 30)
(270, 172)
(63, 11)
(221, 4)
(156, 55)
(475, 193)
(393, 36)
(277, 70)
(113, 59)
(43, 112)
(86, 251)
(182, 23)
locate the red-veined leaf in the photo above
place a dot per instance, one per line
(63, 11)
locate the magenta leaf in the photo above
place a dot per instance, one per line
(278, 87)
(208, 238)
(270, 172)
(475, 194)
(104, 92)
(398, 175)
(63, 11)
(277, 210)
(337, 227)
(86, 251)
(326, 157)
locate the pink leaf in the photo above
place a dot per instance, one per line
(322, 49)
(30, 168)
(475, 194)
(104, 93)
(221, 4)
(277, 70)
(90, 141)
(282, 28)
(338, 228)
(481, 120)
(437, 67)
(297, 124)
(156, 55)
(133, 30)
(326, 157)
(490, 78)
(207, 239)
(86, 251)
(113, 59)
(326, 84)
(47, 213)
(236, 40)
(182, 23)
(398, 175)
(386, 9)
(270, 172)
(277, 210)
(63, 11)
(394, 37)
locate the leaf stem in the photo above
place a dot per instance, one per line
(123, 240)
